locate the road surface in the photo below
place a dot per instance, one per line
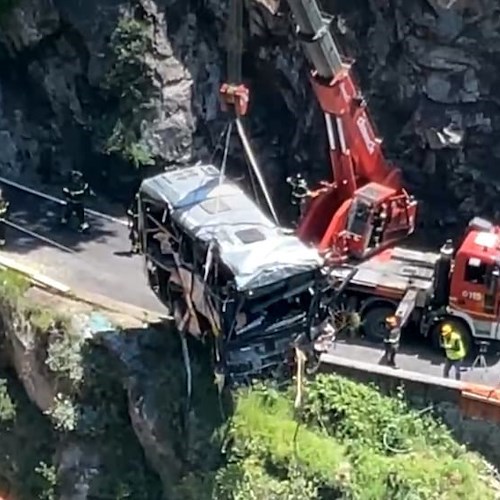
(99, 262)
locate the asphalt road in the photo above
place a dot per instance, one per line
(98, 261)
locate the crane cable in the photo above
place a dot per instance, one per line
(255, 167)
(222, 176)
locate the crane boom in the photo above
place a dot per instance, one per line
(356, 155)
(313, 29)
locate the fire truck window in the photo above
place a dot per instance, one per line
(475, 272)
(359, 218)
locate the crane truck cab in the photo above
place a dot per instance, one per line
(225, 270)
(475, 280)
(378, 216)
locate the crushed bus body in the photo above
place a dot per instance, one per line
(224, 269)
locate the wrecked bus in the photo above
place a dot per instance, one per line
(221, 267)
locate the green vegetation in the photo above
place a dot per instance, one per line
(27, 443)
(347, 441)
(90, 403)
(353, 443)
(129, 90)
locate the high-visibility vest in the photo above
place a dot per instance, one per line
(454, 347)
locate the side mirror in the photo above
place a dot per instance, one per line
(494, 283)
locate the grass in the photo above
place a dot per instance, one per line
(265, 424)
(353, 443)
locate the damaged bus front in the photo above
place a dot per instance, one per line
(223, 268)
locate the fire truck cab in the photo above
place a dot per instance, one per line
(475, 280)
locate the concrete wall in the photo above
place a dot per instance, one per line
(475, 421)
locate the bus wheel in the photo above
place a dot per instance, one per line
(459, 327)
(374, 323)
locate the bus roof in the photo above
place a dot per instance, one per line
(257, 251)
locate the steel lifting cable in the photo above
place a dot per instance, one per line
(222, 174)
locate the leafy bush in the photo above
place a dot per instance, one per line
(352, 443)
(48, 481)
(7, 406)
(63, 413)
(129, 85)
(13, 286)
(64, 355)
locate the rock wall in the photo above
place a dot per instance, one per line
(427, 68)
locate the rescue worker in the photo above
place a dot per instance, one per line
(391, 341)
(300, 193)
(379, 224)
(74, 194)
(4, 208)
(454, 348)
(133, 225)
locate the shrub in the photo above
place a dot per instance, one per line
(129, 85)
(47, 477)
(13, 286)
(352, 443)
(63, 413)
(7, 406)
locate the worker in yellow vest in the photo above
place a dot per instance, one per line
(454, 348)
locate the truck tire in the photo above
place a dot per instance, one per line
(460, 327)
(374, 323)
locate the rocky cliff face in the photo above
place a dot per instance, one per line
(427, 68)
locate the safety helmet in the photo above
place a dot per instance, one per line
(391, 320)
(446, 329)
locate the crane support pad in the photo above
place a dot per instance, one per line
(407, 306)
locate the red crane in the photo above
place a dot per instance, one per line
(365, 208)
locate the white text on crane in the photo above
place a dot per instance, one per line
(362, 124)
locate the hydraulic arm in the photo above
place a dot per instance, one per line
(355, 153)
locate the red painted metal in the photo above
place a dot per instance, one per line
(359, 163)
(480, 402)
(472, 296)
(235, 97)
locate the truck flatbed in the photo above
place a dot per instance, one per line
(391, 273)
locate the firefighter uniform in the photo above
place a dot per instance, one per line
(74, 193)
(4, 208)
(391, 341)
(133, 224)
(300, 193)
(454, 348)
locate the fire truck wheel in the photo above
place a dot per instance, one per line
(374, 323)
(460, 327)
